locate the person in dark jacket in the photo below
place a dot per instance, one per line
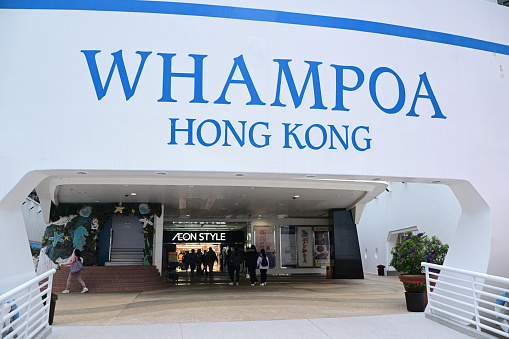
(211, 259)
(192, 260)
(251, 263)
(234, 265)
(228, 263)
(199, 260)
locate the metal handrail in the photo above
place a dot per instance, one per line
(468, 297)
(24, 311)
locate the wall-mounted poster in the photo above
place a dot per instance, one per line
(264, 238)
(288, 246)
(322, 246)
(305, 243)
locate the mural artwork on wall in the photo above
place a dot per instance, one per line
(76, 226)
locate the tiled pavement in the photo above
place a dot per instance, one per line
(288, 307)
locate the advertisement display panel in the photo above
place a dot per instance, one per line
(288, 246)
(264, 238)
(322, 249)
(305, 246)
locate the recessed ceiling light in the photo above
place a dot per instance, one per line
(133, 193)
(239, 174)
(190, 186)
(296, 196)
(82, 172)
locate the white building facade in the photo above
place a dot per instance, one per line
(285, 93)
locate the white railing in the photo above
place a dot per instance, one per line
(476, 300)
(24, 311)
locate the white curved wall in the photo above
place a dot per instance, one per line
(429, 208)
(53, 118)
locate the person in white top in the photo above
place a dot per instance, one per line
(263, 265)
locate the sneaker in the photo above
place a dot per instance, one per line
(85, 290)
(230, 283)
(237, 283)
(262, 284)
(65, 291)
(252, 284)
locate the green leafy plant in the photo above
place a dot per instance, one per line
(413, 249)
(415, 286)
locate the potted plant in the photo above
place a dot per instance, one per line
(413, 249)
(414, 296)
(52, 304)
(381, 269)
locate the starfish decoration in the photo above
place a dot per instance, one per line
(57, 237)
(119, 209)
(146, 222)
(67, 237)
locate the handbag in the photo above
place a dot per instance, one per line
(76, 267)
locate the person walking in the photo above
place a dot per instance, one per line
(76, 264)
(263, 266)
(199, 259)
(204, 260)
(192, 259)
(211, 259)
(229, 264)
(251, 263)
(234, 266)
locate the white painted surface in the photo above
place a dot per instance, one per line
(428, 208)
(34, 221)
(53, 119)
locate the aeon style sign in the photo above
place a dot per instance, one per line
(258, 134)
(203, 237)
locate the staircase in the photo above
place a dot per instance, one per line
(126, 256)
(112, 279)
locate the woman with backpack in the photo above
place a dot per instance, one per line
(76, 264)
(263, 265)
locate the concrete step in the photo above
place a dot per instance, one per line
(126, 256)
(124, 263)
